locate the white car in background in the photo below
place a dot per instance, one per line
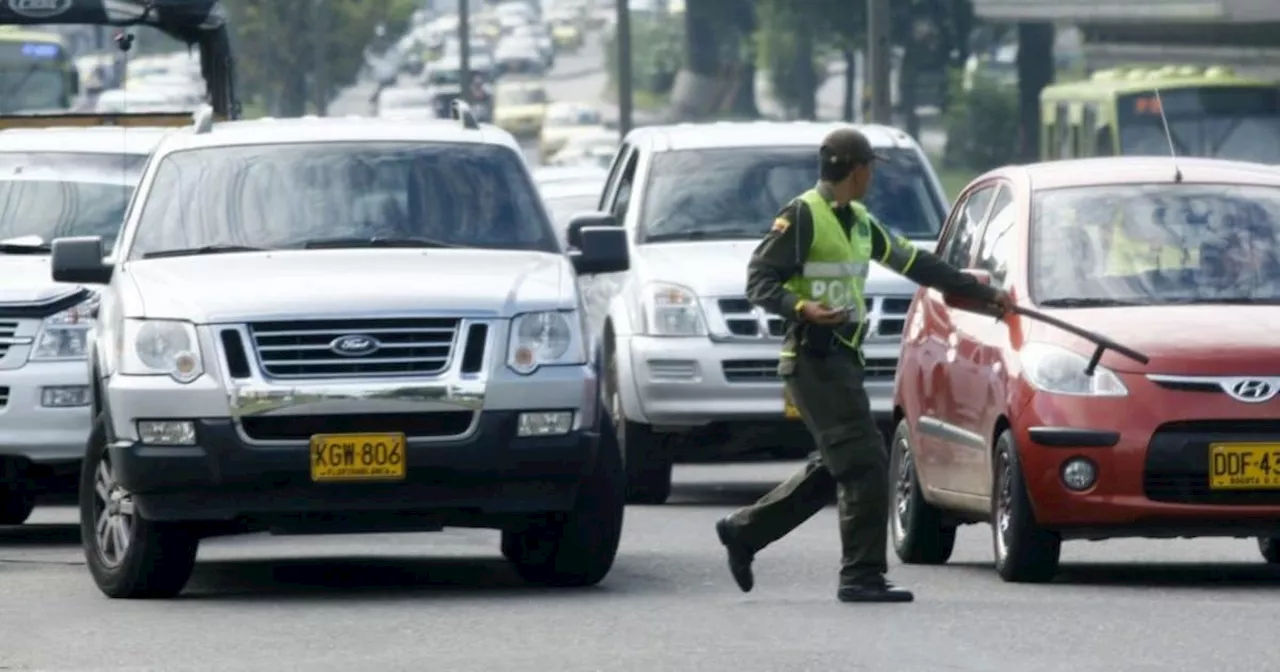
(568, 198)
(594, 148)
(121, 101)
(53, 182)
(403, 102)
(565, 121)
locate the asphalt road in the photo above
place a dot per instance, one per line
(446, 601)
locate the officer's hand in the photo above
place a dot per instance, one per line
(817, 313)
(1005, 301)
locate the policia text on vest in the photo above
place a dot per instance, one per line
(818, 252)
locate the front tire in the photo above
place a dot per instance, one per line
(1025, 552)
(578, 547)
(920, 535)
(648, 467)
(1270, 549)
(129, 556)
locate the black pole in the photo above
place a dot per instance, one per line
(464, 49)
(623, 39)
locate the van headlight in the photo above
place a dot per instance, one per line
(1057, 370)
(161, 348)
(672, 310)
(65, 336)
(551, 338)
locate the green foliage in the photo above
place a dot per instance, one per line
(277, 43)
(981, 125)
(657, 52)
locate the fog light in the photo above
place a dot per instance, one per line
(66, 396)
(167, 432)
(1079, 474)
(545, 423)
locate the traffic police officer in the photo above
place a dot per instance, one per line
(812, 267)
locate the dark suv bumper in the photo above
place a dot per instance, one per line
(473, 481)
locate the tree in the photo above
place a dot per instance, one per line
(718, 73)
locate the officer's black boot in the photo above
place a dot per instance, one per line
(873, 589)
(740, 555)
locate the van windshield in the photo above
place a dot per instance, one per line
(736, 193)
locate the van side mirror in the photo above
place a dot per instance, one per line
(80, 261)
(603, 250)
(573, 235)
(967, 304)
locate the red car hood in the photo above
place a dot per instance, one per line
(1186, 340)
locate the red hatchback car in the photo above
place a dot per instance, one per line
(1010, 422)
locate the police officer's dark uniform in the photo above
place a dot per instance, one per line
(817, 255)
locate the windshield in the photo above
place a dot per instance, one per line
(736, 193)
(521, 96)
(65, 194)
(1154, 244)
(284, 196)
(444, 76)
(32, 87)
(1238, 123)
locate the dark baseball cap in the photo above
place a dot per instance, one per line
(848, 145)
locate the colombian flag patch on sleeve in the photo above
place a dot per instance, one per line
(780, 225)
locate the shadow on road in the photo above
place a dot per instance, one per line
(718, 494)
(1164, 575)
(39, 535)
(390, 578)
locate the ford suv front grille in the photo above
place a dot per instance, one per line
(4, 397)
(8, 330)
(766, 370)
(887, 315)
(328, 348)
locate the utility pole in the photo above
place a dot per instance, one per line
(464, 48)
(320, 42)
(879, 61)
(622, 38)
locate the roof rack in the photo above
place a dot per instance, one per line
(202, 119)
(462, 112)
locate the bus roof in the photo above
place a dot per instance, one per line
(186, 20)
(1107, 84)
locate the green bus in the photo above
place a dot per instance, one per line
(37, 74)
(1212, 112)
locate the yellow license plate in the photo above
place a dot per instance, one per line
(789, 408)
(357, 457)
(1244, 466)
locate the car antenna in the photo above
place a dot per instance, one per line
(1168, 135)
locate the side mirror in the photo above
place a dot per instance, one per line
(573, 234)
(967, 304)
(603, 250)
(80, 261)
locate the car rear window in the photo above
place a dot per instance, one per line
(57, 194)
(738, 192)
(1155, 244)
(283, 195)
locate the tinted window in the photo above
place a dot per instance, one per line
(958, 248)
(1240, 123)
(996, 247)
(735, 193)
(65, 194)
(281, 196)
(1154, 244)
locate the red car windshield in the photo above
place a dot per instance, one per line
(1156, 244)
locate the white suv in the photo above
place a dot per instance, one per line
(53, 182)
(324, 326)
(691, 365)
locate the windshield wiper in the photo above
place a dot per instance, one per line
(207, 249)
(1089, 302)
(704, 235)
(339, 243)
(10, 248)
(1227, 301)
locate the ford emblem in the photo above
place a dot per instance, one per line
(354, 345)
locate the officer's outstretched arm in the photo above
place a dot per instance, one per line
(923, 268)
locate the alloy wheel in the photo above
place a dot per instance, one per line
(113, 516)
(904, 488)
(1004, 504)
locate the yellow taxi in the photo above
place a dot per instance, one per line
(567, 35)
(520, 107)
(563, 122)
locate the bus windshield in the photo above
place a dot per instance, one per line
(33, 77)
(1239, 123)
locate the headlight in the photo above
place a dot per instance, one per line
(1056, 370)
(545, 339)
(672, 310)
(65, 336)
(161, 348)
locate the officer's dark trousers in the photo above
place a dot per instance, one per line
(851, 463)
